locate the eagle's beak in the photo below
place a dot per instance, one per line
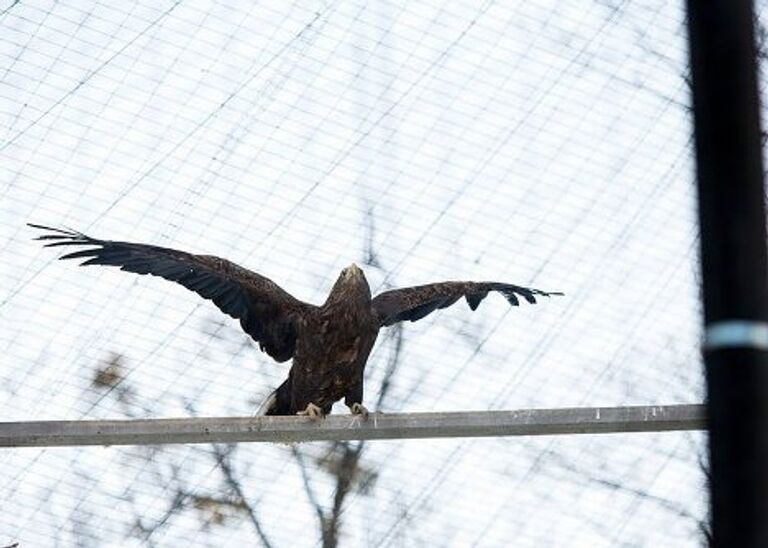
(352, 271)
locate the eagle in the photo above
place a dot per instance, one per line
(329, 343)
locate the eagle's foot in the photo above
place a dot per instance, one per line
(359, 409)
(312, 411)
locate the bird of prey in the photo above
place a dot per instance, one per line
(329, 343)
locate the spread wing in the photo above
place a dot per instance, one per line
(266, 312)
(413, 303)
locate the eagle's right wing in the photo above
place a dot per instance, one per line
(266, 312)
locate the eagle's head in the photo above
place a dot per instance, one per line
(351, 284)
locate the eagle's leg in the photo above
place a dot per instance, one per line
(312, 411)
(354, 400)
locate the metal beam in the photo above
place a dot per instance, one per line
(527, 422)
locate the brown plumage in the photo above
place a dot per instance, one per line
(329, 344)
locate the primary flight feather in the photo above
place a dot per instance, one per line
(329, 343)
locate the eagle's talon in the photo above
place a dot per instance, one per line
(312, 411)
(359, 409)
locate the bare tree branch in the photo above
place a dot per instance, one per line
(343, 458)
(223, 459)
(307, 484)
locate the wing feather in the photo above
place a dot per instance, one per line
(266, 312)
(414, 303)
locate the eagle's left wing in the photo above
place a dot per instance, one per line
(413, 303)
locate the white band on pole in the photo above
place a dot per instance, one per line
(736, 334)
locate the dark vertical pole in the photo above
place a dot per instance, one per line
(733, 257)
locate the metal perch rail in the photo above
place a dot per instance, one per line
(379, 426)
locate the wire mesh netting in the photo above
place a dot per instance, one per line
(539, 143)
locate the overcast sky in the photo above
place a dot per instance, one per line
(538, 143)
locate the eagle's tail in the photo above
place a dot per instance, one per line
(278, 402)
(266, 405)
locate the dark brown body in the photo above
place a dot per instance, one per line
(333, 343)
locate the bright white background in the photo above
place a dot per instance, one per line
(539, 143)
